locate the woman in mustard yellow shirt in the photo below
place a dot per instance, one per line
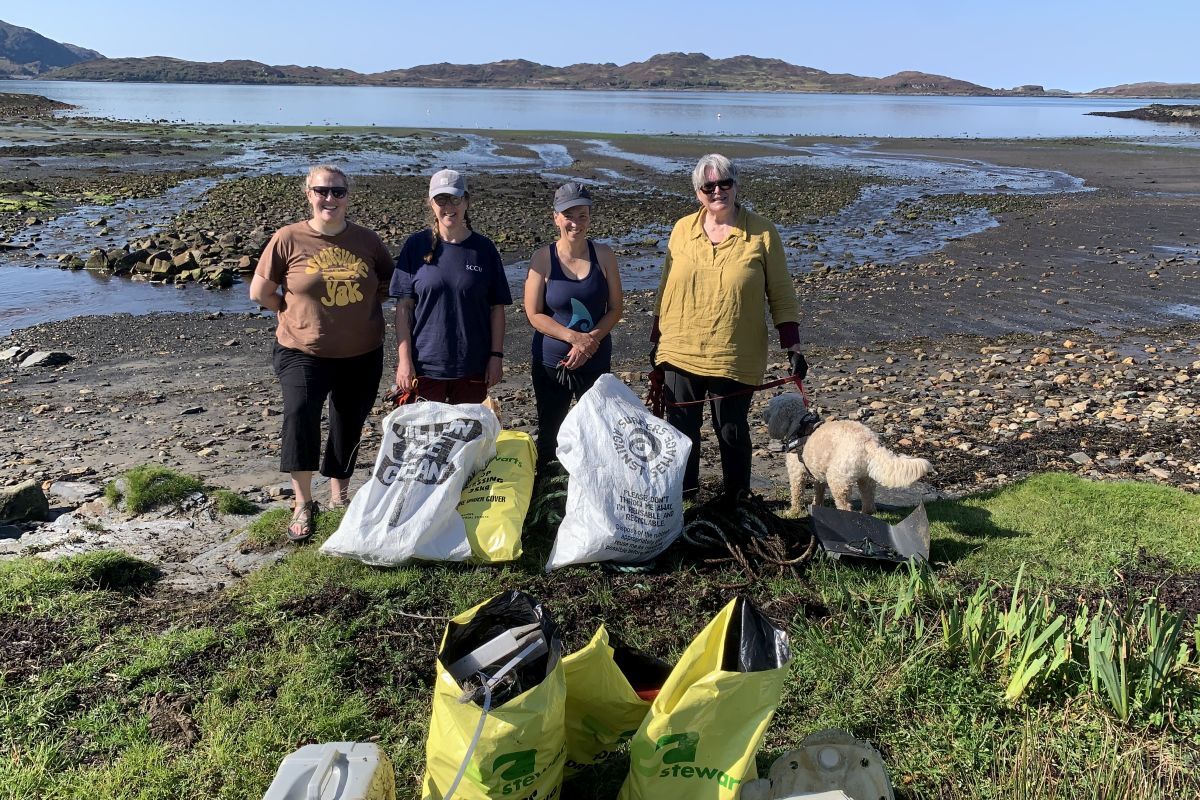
(725, 269)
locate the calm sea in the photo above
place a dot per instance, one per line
(604, 112)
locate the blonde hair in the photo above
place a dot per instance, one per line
(332, 169)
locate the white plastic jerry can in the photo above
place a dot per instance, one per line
(334, 771)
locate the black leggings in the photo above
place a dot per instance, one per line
(729, 419)
(553, 400)
(351, 385)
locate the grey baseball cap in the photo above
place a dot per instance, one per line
(447, 181)
(570, 195)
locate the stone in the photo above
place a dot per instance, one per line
(10, 532)
(184, 261)
(45, 358)
(74, 492)
(25, 502)
(1082, 459)
(8, 354)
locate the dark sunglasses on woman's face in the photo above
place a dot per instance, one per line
(444, 200)
(712, 186)
(324, 191)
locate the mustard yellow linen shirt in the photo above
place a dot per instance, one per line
(713, 299)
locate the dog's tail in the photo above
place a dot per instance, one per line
(888, 469)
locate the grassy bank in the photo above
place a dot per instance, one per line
(109, 689)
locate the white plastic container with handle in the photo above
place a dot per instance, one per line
(335, 771)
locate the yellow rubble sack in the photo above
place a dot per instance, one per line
(520, 751)
(699, 738)
(494, 502)
(607, 688)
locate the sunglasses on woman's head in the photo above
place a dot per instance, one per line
(324, 191)
(444, 200)
(710, 187)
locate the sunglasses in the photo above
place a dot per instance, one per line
(444, 200)
(712, 186)
(337, 191)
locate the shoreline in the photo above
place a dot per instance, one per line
(1111, 260)
(1067, 337)
(991, 93)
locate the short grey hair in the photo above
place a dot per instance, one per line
(332, 169)
(718, 163)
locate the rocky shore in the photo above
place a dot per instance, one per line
(1065, 337)
(1157, 112)
(17, 106)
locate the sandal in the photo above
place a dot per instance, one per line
(339, 499)
(303, 522)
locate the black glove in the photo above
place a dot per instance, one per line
(799, 365)
(653, 356)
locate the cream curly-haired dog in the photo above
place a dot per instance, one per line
(838, 454)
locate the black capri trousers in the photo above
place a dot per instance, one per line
(729, 419)
(350, 384)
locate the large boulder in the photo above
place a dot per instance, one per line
(127, 261)
(97, 261)
(25, 502)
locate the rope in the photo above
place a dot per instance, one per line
(744, 531)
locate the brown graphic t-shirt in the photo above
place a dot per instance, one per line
(332, 305)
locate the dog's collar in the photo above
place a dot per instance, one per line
(808, 423)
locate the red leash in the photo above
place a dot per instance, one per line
(656, 397)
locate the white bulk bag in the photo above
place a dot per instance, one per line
(409, 507)
(625, 492)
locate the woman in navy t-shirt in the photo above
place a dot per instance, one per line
(451, 292)
(573, 301)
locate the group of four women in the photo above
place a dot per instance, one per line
(327, 277)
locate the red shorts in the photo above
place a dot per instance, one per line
(471, 389)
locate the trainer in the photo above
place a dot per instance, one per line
(724, 270)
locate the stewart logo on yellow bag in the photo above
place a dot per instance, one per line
(672, 756)
(513, 772)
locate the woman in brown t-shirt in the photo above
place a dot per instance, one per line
(326, 279)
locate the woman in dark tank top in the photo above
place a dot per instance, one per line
(573, 301)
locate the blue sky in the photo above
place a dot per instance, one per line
(1057, 43)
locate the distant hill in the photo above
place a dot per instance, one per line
(161, 69)
(666, 71)
(26, 54)
(674, 71)
(1150, 89)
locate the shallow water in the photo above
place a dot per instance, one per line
(715, 113)
(866, 231)
(855, 235)
(35, 295)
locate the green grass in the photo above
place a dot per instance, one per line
(1065, 529)
(148, 486)
(229, 502)
(105, 693)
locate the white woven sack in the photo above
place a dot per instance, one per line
(625, 492)
(409, 507)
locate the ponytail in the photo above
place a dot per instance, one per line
(435, 234)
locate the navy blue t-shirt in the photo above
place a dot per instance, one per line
(452, 330)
